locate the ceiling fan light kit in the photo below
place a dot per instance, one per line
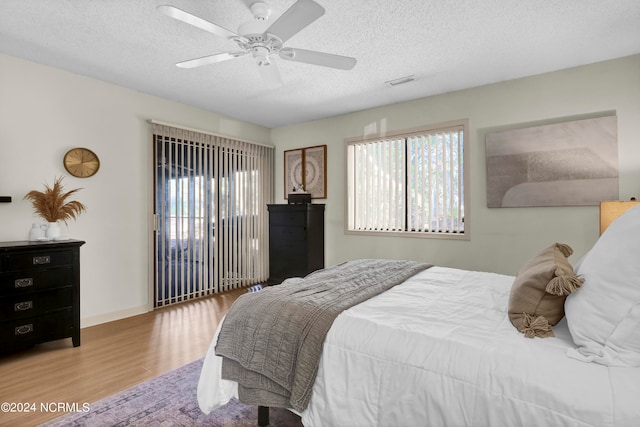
(261, 40)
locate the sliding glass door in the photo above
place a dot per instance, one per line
(211, 196)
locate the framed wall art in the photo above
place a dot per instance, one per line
(572, 163)
(305, 169)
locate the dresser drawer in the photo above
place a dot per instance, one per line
(286, 234)
(295, 267)
(23, 306)
(23, 282)
(290, 254)
(293, 219)
(42, 259)
(33, 330)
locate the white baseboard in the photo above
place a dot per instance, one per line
(110, 317)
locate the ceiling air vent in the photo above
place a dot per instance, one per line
(400, 81)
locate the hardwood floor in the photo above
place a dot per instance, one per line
(112, 357)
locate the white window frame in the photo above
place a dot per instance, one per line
(397, 193)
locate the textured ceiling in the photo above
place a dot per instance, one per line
(445, 44)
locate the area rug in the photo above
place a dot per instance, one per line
(170, 400)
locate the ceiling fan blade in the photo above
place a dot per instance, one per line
(318, 58)
(271, 75)
(181, 15)
(294, 19)
(210, 59)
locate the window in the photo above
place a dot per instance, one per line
(410, 182)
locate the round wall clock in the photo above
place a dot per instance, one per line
(81, 162)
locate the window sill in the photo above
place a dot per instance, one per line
(412, 234)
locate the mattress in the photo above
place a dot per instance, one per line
(439, 350)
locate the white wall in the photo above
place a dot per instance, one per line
(43, 113)
(501, 239)
(46, 111)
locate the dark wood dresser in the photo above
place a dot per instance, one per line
(296, 240)
(39, 293)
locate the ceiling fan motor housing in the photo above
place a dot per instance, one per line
(260, 45)
(254, 37)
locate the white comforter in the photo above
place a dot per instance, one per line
(439, 350)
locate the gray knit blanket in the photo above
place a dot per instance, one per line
(271, 341)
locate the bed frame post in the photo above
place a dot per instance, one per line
(263, 416)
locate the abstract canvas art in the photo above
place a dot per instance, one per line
(573, 163)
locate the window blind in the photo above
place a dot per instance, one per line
(211, 196)
(409, 183)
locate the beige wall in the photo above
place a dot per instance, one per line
(46, 111)
(501, 239)
(43, 113)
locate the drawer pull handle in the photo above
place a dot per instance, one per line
(24, 283)
(24, 329)
(22, 306)
(39, 260)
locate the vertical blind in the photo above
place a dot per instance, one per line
(379, 185)
(408, 183)
(211, 196)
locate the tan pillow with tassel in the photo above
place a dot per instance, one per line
(536, 302)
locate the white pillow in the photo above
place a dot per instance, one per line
(604, 314)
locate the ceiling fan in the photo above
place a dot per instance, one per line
(261, 40)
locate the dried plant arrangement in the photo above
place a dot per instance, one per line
(52, 204)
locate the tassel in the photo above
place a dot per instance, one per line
(563, 285)
(538, 327)
(565, 249)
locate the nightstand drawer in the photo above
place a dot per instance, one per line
(23, 282)
(42, 259)
(33, 330)
(23, 306)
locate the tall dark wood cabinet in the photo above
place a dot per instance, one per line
(39, 293)
(296, 240)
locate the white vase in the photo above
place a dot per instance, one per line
(53, 230)
(38, 231)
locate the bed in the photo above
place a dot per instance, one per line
(442, 348)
